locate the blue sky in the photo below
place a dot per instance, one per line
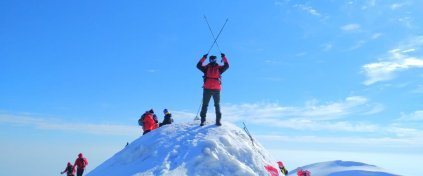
(314, 81)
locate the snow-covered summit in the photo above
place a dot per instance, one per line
(188, 149)
(343, 168)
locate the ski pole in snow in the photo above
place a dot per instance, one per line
(217, 34)
(248, 133)
(196, 116)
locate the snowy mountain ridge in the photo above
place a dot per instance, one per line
(188, 149)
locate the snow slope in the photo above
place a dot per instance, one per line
(188, 149)
(342, 168)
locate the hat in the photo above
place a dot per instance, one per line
(165, 111)
(212, 59)
(151, 111)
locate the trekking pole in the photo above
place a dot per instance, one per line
(211, 31)
(196, 116)
(217, 36)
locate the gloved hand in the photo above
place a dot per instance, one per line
(222, 54)
(205, 55)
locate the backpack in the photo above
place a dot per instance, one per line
(284, 171)
(212, 72)
(140, 122)
(83, 163)
(69, 170)
(148, 122)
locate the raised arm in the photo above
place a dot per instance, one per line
(225, 63)
(66, 169)
(200, 64)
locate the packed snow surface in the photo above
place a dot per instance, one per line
(188, 149)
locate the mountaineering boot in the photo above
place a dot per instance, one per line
(203, 120)
(218, 117)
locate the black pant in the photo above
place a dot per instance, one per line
(145, 132)
(79, 172)
(207, 94)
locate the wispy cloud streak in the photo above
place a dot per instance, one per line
(309, 10)
(312, 110)
(415, 116)
(398, 60)
(49, 124)
(351, 27)
(372, 141)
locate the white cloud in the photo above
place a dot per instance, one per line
(350, 27)
(51, 124)
(418, 89)
(309, 10)
(396, 6)
(281, 2)
(312, 116)
(369, 141)
(406, 21)
(376, 36)
(369, 4)
(301, 54)
(273, 79)
(184, 116)
(90, 128)
(327, 47)
(358, 44)
(309, 125)
(414, 116)
(151, 70)
(311, 110)
(376, 108)
(398, 60)
(406, 132)
(386, 135)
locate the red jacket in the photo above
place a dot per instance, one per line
(212, 72)
(301, 172)
(150, 121)
(81, 162)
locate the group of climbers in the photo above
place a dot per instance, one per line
(79, 166)
(274, 172)
(211, 88)
(149, 121)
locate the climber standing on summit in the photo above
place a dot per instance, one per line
(212, 85)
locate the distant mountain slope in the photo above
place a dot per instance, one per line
(343, 168)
